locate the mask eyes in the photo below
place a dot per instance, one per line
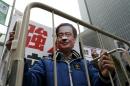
(67, 34)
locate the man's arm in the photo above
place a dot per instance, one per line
(106, 64)
(35, 75)
(96, 77)
(100, 76)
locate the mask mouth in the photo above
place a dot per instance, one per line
(64, 39)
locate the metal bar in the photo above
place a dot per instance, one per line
(11, 16)
(102, 46)
(110, 76)
(25, 22)
(84, 60)
(54, 49)
(112, 51)
(92, 27)
(7, 58)
(19, 64)
(124, 70)
(16, 63)
(109, 52)
(45, 7)
(99, 39)
(86, 5)
(8, 26)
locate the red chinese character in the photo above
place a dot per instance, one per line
(30, 30)
(38, 38)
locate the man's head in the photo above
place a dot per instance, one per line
(94, 53)
(66, 36)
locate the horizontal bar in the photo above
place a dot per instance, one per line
(92, 27)
(109, 52)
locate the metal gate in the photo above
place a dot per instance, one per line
(17, 63)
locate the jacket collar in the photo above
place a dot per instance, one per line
(75, 55)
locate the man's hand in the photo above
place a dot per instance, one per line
(9, 42)
(106, 64)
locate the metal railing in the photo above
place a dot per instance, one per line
(25, 22)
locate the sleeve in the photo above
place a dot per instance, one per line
(97, 79)
(35, 75)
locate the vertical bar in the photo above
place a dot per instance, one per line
(124, 70)
(127, 56)
(11, 16)
(102, 46)
(86, 5)
(12, 52)
(100, 40)
(5, 50)
(54, 51)
(84, 60)
(19, 63)
(100, 43)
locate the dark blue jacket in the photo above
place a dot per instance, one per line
(41, 74)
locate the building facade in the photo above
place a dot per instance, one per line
(112, 16)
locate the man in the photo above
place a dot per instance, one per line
(94, 53)
(70, 66)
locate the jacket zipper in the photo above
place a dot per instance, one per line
(70, 76)
(69, 68)
(70, 71)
